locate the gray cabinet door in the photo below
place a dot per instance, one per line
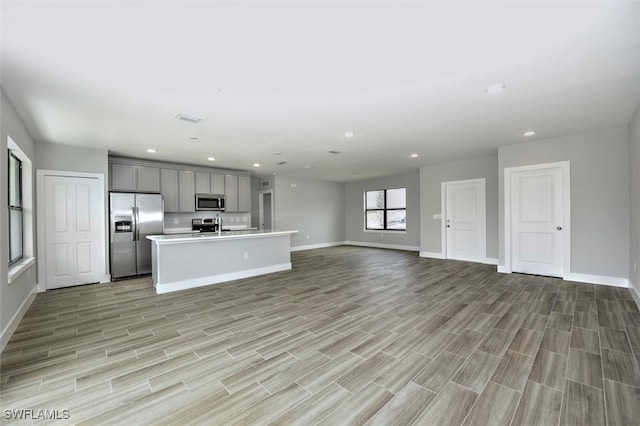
(170, 189)
(244, 193)
(148, 179)
(203, 183)
(231, 193)
(186, 197)
(217, 183)
(123, 177)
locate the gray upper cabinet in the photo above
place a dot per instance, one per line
(217, 183)
(178, 183)
(170, 189)
(127, 177)
(148, 179)
(231, 193)
(187, 199)
(123, 177)
(237, 193)
(244, 193)
(203, 183)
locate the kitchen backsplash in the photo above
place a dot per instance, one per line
(182, 221)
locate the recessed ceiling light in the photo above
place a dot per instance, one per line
(277, 153)
(349, 134)
(281, 163)
(256, 164)
(189, 118)
(151, 151)
(495, 88)
(529, 133)
(414, 155)
(193, 138)
(211, 159)
(333, 151)
(308, 166)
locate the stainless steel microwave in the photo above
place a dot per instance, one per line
(209, 202)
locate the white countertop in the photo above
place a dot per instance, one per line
(212, 236)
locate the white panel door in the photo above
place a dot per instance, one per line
(537, 220)
(72, 231)
(465, 220)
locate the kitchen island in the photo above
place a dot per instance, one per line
(183, 261)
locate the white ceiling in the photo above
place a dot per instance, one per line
(268, 77)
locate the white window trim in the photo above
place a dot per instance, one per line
(19, 267)
(28, 258)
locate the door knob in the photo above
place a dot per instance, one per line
(559, 228)
(448, 226)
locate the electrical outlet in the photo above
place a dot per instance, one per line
(307, 236)
(246, 254)
(175, 220)
(244, 219)
(381, 235)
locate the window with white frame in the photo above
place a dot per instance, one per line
(15, 209)
(385, 209)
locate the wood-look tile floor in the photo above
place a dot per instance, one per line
(349, 336)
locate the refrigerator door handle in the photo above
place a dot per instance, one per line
(111, 228)
(135, 223)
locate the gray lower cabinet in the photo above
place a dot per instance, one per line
(186, 196)
(170, 189)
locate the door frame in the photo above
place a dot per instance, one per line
(443, 214)
(566, 212)
(41, 234)
(261, 195)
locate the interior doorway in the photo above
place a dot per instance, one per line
(71, 226)
(266, 210)
(538, 219)
(464, 220)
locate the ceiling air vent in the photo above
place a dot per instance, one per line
(188, 118)
(333, 151)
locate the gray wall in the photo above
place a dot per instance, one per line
(314, 208)
(431, 178)
(53, 156)
(634, 191)
(13, 295)
(354, 218)
(599, 195)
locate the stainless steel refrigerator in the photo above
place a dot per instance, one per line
(133, 216)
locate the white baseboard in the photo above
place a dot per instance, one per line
(105, 278)
(503, 269)
(381, 245)
(17, 317)
(220, 278)
(635, 294)
(432, 255)
(597, 279)
(490, 261)
(317, 246)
